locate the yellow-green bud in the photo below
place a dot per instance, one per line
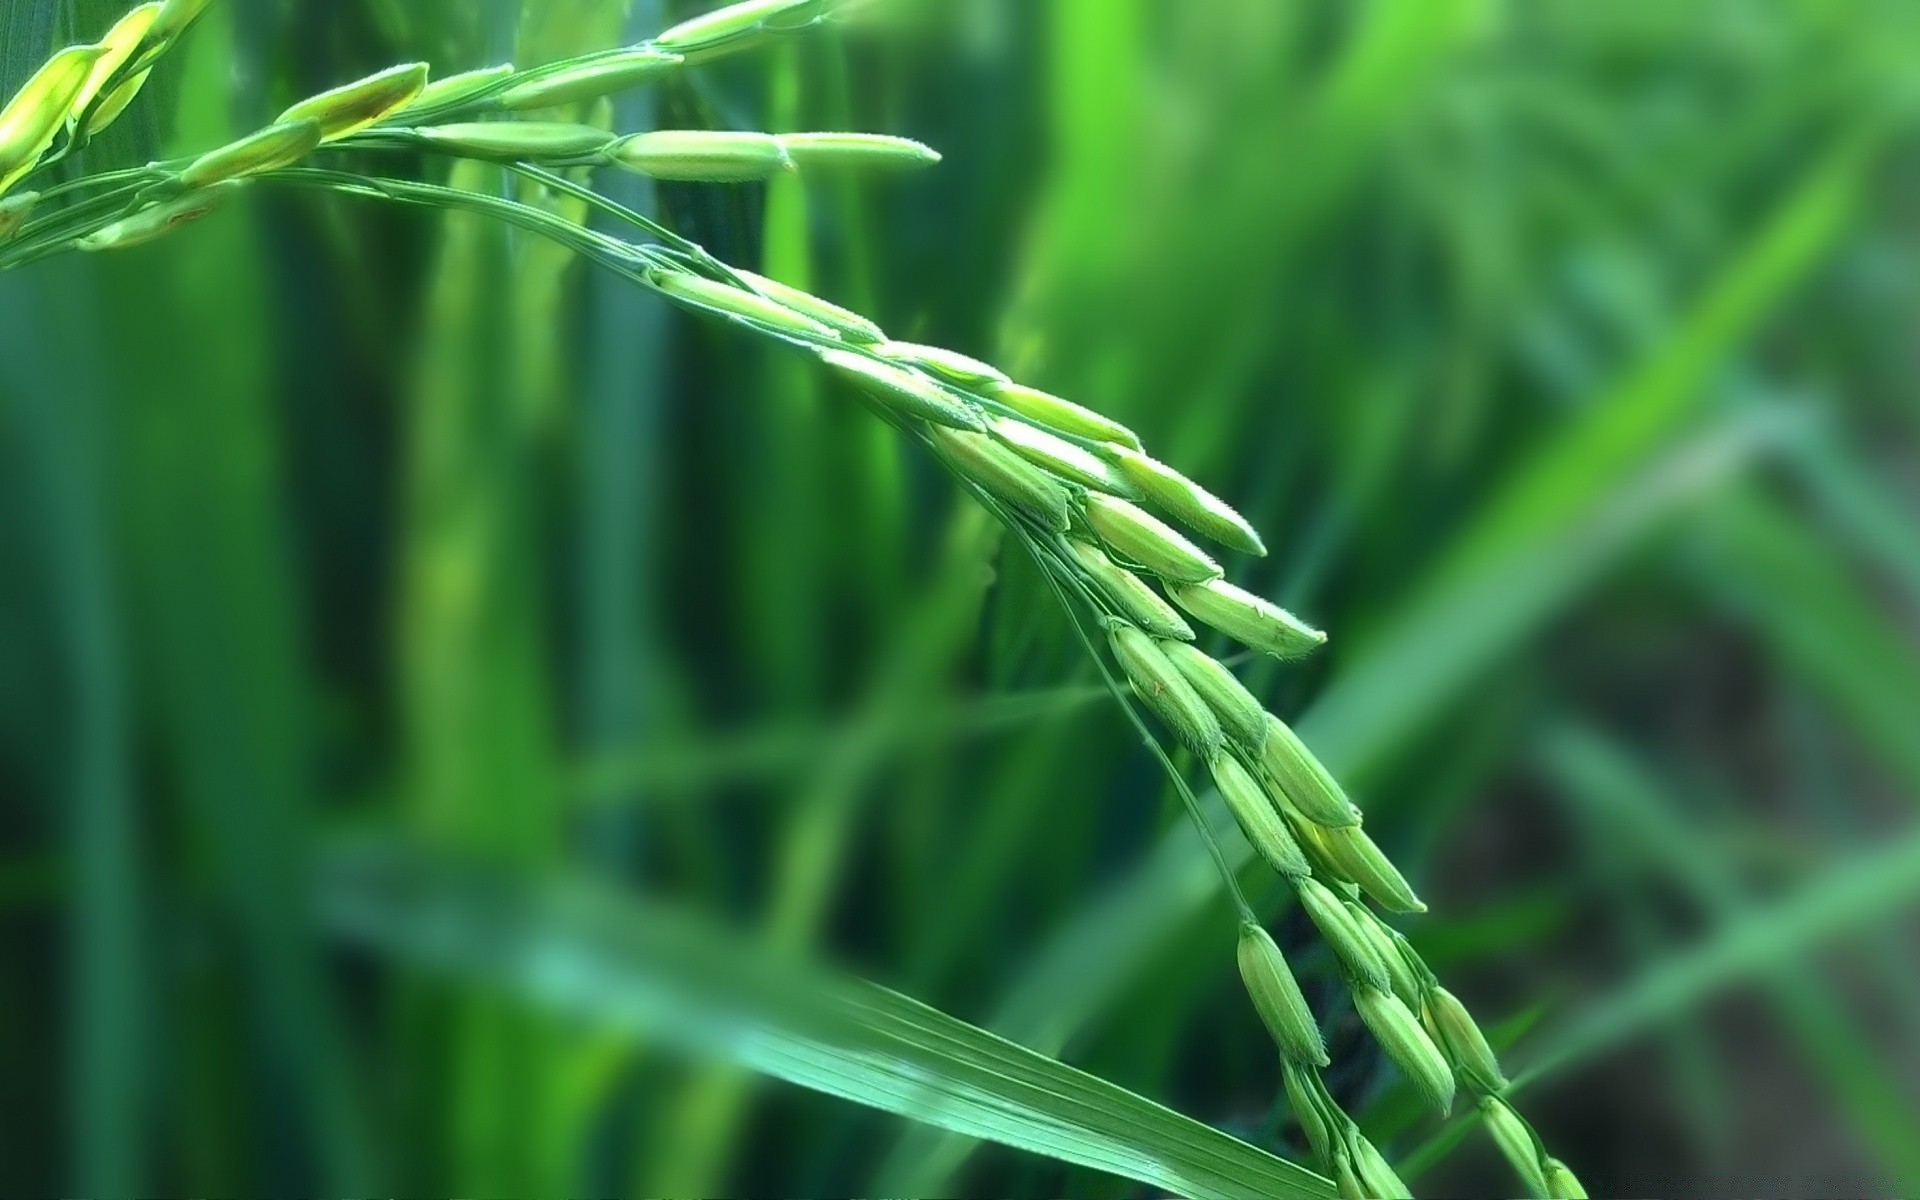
(851, 325)
(1517, 1144)
(126, 37)
(1399, 970)
(1377, 1177)
(157, 220)
(1242, 715)
(35, 115)
(1301, 779)
(1004, 475)
(1064, 415)
(1360, 860)
(1149, 541)
(519, 141)
(1276, 997)
(1060, 456)
(904, 391)
(1165, 691)
(697, 291)
(1454, 1028)
(1407, 1044)
(601, 76)
(1248, 619)
(269, 149)
(865, 150)
(457, 89)
(352, 107)
(709, 30)
(702, 155)
(1133, 596)
(1349, 943)
(962, 369)
(1562, 1184)
(1188, 502)
(1264, 829)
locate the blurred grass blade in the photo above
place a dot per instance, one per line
(587, 954)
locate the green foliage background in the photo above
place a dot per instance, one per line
(451, 704)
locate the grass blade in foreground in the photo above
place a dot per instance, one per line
(639, 969)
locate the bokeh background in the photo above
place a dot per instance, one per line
(1566, 353)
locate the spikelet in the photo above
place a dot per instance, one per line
(1360, 860)
(966, 371)
(38, 111)
(731, 24)
(1346, 1181)
(1160, 685)
(1562, 1183)
(1376, 1176)
(1263, 828)
(1405, 984)
(1517, 1144)
(863, 150)
(1240, 714)
(850, 325)
(1349, 943)
(1248, 619)
(1149, 541)
(1060, 456)
(697, 291)
(1276, 997)
(1130, 594)
(1407, 1044)
(1188, 502)
(158, 220)
(1005, 475)
(16, 209)
(175, 17)
(601, 76)
(519, 141)
(702, 155)
(269, 149)
(352, 107)
(1301, 779)
(1454, 1028)
(456, 90)
(126, 37)
(1047, 409)
(903, 391)
(1303, 1096)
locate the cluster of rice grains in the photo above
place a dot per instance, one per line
(1074, 485)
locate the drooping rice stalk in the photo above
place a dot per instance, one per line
(1099, 515)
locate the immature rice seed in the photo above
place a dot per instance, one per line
(269, 149)
(863, 150)
(850, 325)
(126, 37)
(1248, 619)
(1454, 1028)
(702, 155)
(1407, 1044)
(724, 24)
(1050, 410)
(1377, 1176)
(1360, 860)
(456, 89)
(968, 372)
(1301, 779)
(590, 80)
(14, 211)
(519, 141)
(1263, 828)
(1517, 1144)
(697, 291)
(1240, 714)
(1147, 540)
(1405, 984)
(1276, 997)
(1060, 456)
(1350, 945)
(35, 115)
(1562, 1184)
(1135, 599)
(904, 391)
(1160, 685)
(1188, 502)
(175, 17)
(1005, 474)
(352, 107)
(158, 219)
(1301, 1085)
